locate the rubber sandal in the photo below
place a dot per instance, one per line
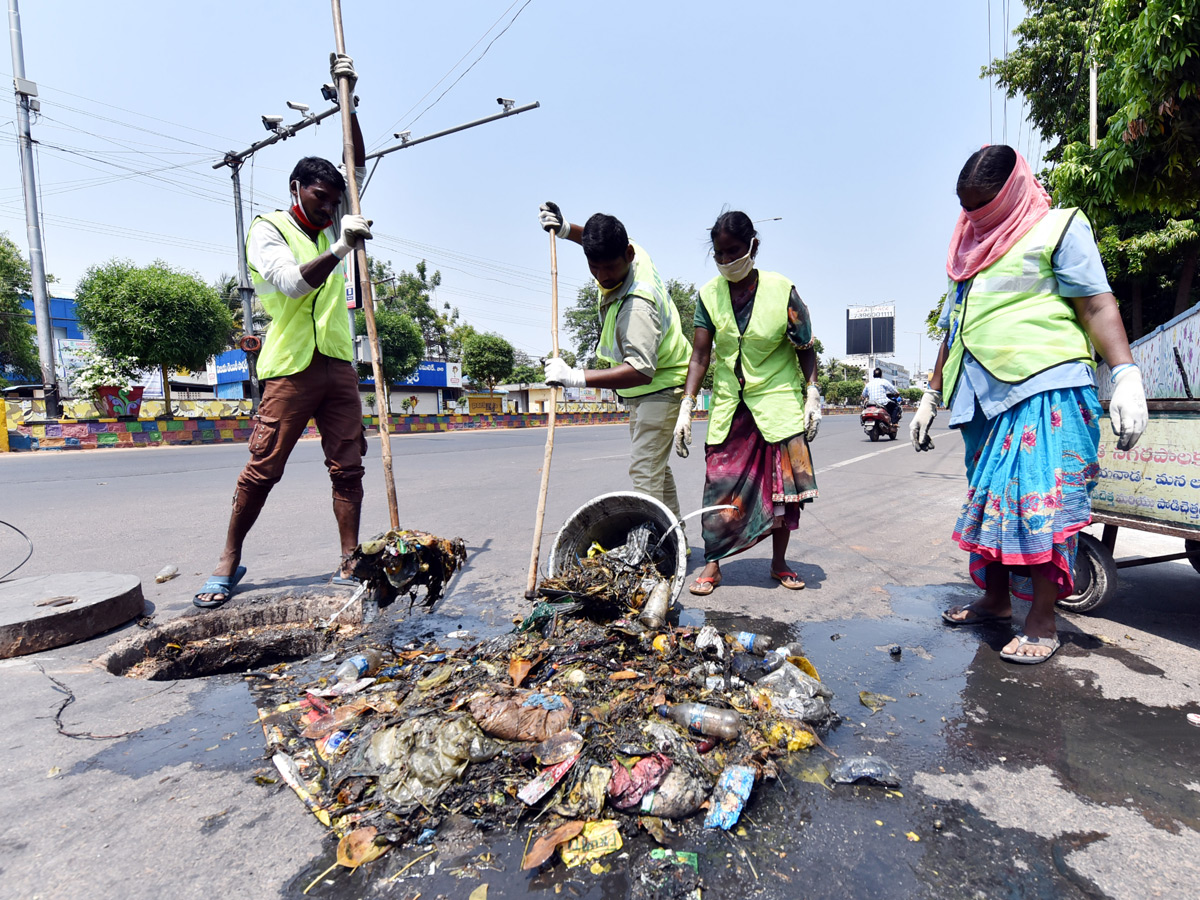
(976, 618)
(784, 576)
(1025, 660)
(705, 585)
(219, 584)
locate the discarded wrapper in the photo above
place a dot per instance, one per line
(597, 840)
(546, 779)
(729, 797)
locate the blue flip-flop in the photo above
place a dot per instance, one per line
(219, 584)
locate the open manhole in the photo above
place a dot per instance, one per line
(240, 637)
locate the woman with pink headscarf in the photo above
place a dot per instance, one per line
(1028, 302)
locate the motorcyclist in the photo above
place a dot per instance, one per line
(881, 392)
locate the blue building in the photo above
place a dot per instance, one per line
(62, 317)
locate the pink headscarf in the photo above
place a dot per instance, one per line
(981, 236)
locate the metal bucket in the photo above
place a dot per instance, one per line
(607, 520)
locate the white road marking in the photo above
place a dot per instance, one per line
(900, 445)
(615, 456)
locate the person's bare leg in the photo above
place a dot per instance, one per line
(1040, 621)
(348, 513)
(996, 600)
(245, 513)
(780, 536)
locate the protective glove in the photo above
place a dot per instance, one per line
(558, 372)
(683, 426)
(923, 419)
(812, 412)
(1127, 408)
(550, 217)
(355, 230)
(340, 64)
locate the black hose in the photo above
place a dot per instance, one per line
(27, 555)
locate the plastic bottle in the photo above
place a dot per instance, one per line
(360, 665)
(654, 613)
(706, 720)
(754, 643)
(166, 573)
(790, 649)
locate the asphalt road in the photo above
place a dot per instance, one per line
(1073, 779)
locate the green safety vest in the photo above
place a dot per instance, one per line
(674, 351)
(1011, 317)
(300, 325)
(774, 384)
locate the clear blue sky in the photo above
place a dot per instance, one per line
(850, 121)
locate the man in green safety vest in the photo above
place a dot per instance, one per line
(306, 366)
(640, 337)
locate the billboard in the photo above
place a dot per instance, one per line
(228, 368)
(432, 373)
(871, 330)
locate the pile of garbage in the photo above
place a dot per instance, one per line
(594, 718)
(401, 561)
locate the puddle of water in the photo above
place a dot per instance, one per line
(217, 730)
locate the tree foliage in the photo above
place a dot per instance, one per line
(487, 359)
(156, 315)
(412, 293)
(19, 359)
(400, 344)
(582, 322)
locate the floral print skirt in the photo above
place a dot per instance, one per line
(1030, 473)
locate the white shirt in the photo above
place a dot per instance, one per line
(877, 391)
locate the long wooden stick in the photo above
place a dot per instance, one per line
(531, 584)
(346, 103)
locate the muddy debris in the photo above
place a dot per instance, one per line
(581, 727)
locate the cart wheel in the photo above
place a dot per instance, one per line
(1095, 577)
(1192, 547)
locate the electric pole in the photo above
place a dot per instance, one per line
(26, 92)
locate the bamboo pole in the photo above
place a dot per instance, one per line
(346, 103)
(531, 584)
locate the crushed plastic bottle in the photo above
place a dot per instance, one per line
(701, 719)
(360, 665)
(654, 613)
(754, 643)
(166, 573)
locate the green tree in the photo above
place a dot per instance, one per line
(932, 330)
(226, 286)
(157, 316)
(19, 359)
(912, 394)
(527, 375)
(400, 344)
(1148, 158)
(487, 359)
(582, 322)
(412, 293)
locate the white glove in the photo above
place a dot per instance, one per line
(683, 426)
(558, 372)
(923, 419)
(1127, 408)
(812, 412)
(550, 217)
(355, 230)
(340, 64)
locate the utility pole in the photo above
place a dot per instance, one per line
(235, 160)
(25, 92)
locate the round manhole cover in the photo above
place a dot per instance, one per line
(52, 610)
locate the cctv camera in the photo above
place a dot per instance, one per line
(299, 107)
(505, 102)
(329, 93)
(272, 123)
(404, 136)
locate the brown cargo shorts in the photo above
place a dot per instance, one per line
(327, 392)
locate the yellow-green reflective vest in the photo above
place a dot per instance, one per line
(774, 384)
(299, 325)
(674, 351)
(1011, 318)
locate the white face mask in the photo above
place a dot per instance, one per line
(739, 268)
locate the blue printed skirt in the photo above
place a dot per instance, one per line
(1030, 472)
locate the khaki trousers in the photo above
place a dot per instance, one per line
(652, 430)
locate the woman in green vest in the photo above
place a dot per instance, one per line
(754, 330)
(1028, 299)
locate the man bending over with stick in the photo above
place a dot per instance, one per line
(640, 336)
(306, 366)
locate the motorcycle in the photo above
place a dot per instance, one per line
(877, 422)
